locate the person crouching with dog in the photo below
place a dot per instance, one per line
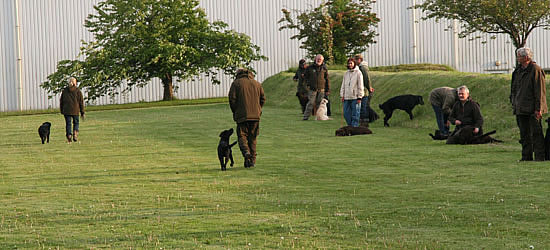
(246, 99)
(351, 92)
(71, 104)
(467, 118)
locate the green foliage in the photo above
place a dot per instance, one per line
(336, 29)
(517, 18)
(138, 40)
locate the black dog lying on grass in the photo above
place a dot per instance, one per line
(224, 148)
(466, 136)
(403, 102)
(349, 131)
(438, 135)
(44, 132)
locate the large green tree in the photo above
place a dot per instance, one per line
(517, 18)
(336, 29)
(138, 40)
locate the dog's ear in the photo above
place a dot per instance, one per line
(221, 134)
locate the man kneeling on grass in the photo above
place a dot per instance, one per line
(466, 115)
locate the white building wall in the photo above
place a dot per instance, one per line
(52, 30)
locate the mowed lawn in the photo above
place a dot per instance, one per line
(150, 178)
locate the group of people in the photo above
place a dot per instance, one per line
(450, 105)
(314, 85)
(528, 99)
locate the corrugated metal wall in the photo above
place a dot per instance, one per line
(52, 30)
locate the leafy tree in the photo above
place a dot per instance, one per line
(138, 40)
(335, 29)
(517, 18)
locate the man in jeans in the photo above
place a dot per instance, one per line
(246, 99)
(528, 98)
(442, 100)
(317, 81)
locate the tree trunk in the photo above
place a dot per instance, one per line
(168, 87)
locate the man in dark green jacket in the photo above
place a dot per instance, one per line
(317, 81)
(246, 99)
(528, 98)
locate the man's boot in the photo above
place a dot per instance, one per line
(75, 134)
(69, 138)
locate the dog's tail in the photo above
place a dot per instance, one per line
(232, 144)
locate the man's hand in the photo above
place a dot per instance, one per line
(371, 90)
(476, 130)
(358, 101)
(538, 114)
(447, 123)
(458, 122)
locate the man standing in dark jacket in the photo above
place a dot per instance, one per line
(528, 98)
(246, 99)
(317, 81)
(301, 90)
(71, 104)
(466, 116)
(367, 86)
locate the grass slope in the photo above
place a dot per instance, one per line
(149, 178)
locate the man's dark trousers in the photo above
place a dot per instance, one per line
(531, 137)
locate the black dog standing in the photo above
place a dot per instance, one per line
(403, 102)
(224, 148)
(44, 132)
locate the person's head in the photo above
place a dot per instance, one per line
(302, 63)
(463, 93)
(319, 59)
(358, 59)
(72, 82)
(351, 63)
(524, 55)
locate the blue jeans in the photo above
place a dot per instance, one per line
(352, 111)
(441, 119)
(364, 110)
(68, 119)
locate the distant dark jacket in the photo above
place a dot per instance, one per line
(528, 90)
(444, 97)
(367, 85)
(71, 102)
(468, 113)
(246, 98)
(317, 77)
(299, 76)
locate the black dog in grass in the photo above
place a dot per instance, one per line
(44, 132)
(224, 148)
(403, 102)
(350, 130)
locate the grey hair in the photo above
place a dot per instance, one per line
(72, 81)
(525, 52)
(319, 55)
(464, 88)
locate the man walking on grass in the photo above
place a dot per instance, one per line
(246, 99)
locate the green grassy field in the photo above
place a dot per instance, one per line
(150, 178)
